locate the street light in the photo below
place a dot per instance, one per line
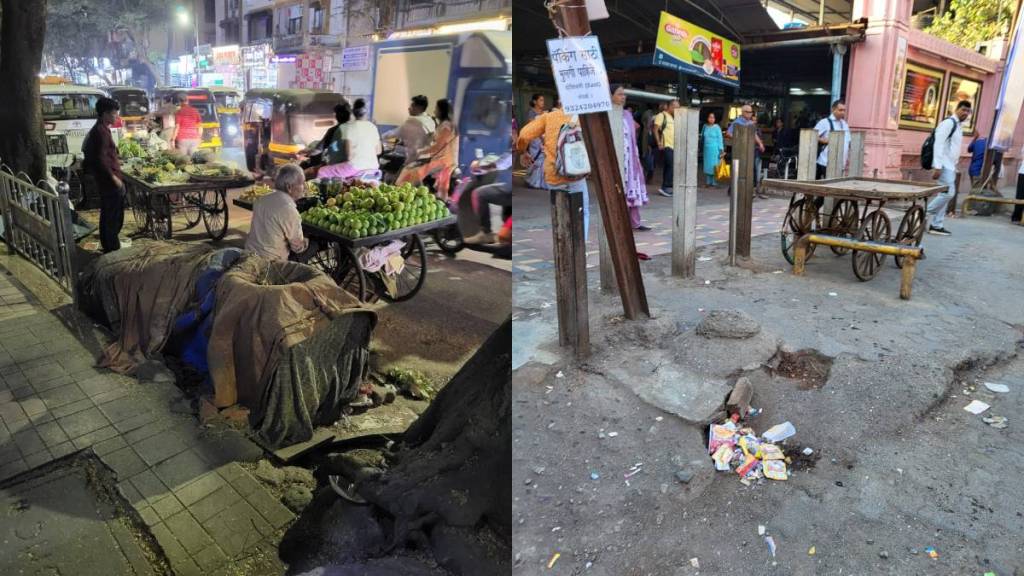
(183, 18)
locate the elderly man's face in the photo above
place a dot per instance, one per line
(747, 112)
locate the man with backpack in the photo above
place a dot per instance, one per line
(664, 135)
(943, 149)
(564, 169)
(824, 127)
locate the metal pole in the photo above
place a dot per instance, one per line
(837, 71)
(734, 210)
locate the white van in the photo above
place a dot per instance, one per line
(70, 110)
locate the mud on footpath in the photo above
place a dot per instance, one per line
(611, 469)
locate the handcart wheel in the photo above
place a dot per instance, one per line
(160, 216)
(448, 239)
(911, 230)
(797, 222)
(189, 207)
(215, 213)
(875, 228)
(349, 273)
(139, 211)
(843, 222)
(410, 280)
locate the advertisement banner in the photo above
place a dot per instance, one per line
(693, 50)
(897, 81)
(580, 74)
(920, 106)
(1011, 93)
(963, 89)
(356, 58)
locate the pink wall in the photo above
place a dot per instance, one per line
(870, 80)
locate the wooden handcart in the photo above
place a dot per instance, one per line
(858, 213)
(341, 259)
(163, 210)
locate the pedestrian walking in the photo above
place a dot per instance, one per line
(824, 127)
(548, 126)
(946, 153)
(714, 148)
(1018, 210)
(101, 161)
(665, 135)
(535, 151)
(624, 129)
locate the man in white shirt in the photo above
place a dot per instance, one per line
(945, 156)
(276, 229)
(417, 131)
(837, 121)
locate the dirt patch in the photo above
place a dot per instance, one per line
(808, 367)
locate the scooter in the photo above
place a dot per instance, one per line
(484, 174)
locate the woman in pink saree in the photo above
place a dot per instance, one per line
(634, 183)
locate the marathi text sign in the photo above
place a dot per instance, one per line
(691, 49)
(355, 58)
(580, 74)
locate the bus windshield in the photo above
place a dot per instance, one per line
(69, 106)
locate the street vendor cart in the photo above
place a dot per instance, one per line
(345, 259)
(157, 206)
(860, 211)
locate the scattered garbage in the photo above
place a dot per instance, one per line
(775, 470)
(771, 544)
(613, 434)
(693, 561)
(760, 529)
(932, 553)
(704, 259)
(560, 374)
(999, 422)
(1000, 388)
(811, 552)
(636, 469)
(777, 272)
(884, 554)
(594, 476)
(976, 407)
(808, 451)
(658, 418)
(706, 282)
(833, 294)
(779, 432)
(733, 448)
(551, 563)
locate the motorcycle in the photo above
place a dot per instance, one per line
(451, 239)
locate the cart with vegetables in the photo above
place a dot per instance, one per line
(169, 194)
(370, 237)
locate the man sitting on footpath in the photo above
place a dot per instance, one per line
(276, 230)
(948, 143)
(824, 127)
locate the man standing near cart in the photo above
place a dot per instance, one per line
(188, 127)
(824, 127)
(100, 160)
(945, 156)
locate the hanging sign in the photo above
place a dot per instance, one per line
(580, 74)
(691, 49)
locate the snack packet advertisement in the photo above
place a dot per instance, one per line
(693, 50)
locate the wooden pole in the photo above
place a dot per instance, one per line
(684, 193)
(604, 260)
(836, 144)
(856, 164)
(743, 150)
(807, 157)
(571, 16)
(570, 271)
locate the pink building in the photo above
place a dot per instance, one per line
(899, 84)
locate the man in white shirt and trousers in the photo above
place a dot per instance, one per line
(836, 121)
(945, 156)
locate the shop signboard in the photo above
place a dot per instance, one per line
(580, 74)
(1011, 93)
(898, 77)
(961, 88)
(355, 59)
(693, 50)
(921, 103)
(226, 55)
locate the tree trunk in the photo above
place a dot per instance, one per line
(22, 32)
(447, 490)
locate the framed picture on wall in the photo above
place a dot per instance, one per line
(922, 100)
(963, 89)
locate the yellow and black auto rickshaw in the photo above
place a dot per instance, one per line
(277, 124)
(134, 118)
(229, 102)
(202, 100)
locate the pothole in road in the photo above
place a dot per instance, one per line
(809, 368)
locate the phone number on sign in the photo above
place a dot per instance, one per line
(586, 107)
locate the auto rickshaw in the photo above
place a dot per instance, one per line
(202, 100)
(229, 101)
(133, 121)
(277, 124)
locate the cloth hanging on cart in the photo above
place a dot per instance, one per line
(389, 257)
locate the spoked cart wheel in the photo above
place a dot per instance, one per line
(188, 206)
(215, 213)
(875, 228)
(350, 275)
(911, 230)
(138, 204)
(800, 219)
(409, 281)
(448, 239)
(843, 222)
(159, 215)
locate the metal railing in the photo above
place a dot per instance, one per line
(37, 225)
